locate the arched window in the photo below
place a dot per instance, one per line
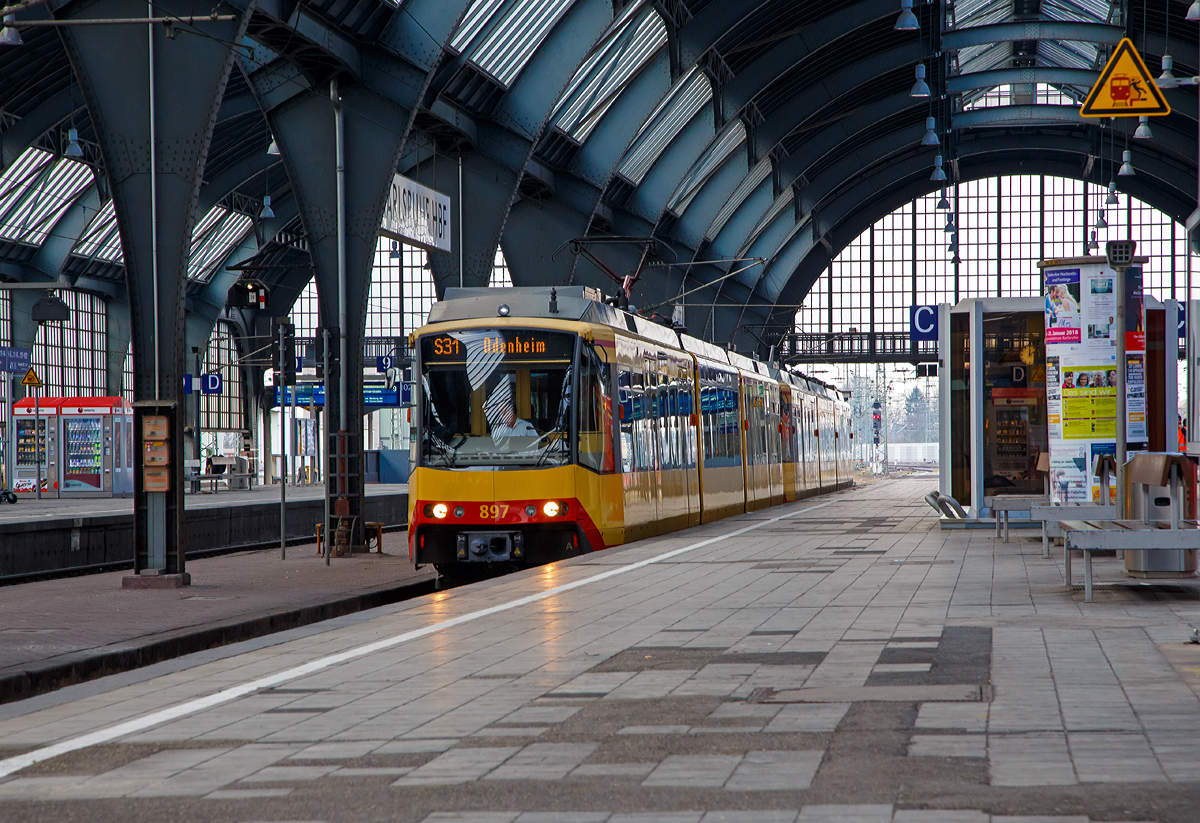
(1002, 227)
(71, 357)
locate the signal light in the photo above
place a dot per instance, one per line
(248, 294)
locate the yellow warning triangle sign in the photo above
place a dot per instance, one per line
(31, 378)
(1125, 88)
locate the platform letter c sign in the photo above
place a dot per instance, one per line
(923, 322)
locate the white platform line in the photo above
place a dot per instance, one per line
(137, 724)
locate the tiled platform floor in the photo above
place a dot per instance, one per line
(838, 659)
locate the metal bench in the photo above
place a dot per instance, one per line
(1104, 467)
(1088, 536)
(1176, 534)
(1002, 504)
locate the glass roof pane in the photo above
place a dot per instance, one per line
(205, 226)
(983, 58)
(1071, 55)
(473, 21)
(691, 93)
(45, 201)
(219, 242)
(712, 159)
(753, 179)
(1095, 11)
(630, 43)
(510, 45)
(101, 238)
(17, 178)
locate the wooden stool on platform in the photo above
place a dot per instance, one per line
(374, 531)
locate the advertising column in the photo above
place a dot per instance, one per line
(1081, 374)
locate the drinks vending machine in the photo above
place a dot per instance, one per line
(34, 440)
(90, 452)
(97, 458)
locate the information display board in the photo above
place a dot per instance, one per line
(1081, 373)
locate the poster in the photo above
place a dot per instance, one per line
(1081, 376)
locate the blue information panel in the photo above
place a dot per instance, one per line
(922, 323)
(375, 395)
(13, 360)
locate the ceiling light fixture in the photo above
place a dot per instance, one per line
(938, 175)
(273, 148)
(267, 213)
(1126, 169)
(920, 88)
(1143, 130)
(1111, 200)
(943, 203)
(1193, 12)
(9, 36)
(73, 149)
(930, 138)
(950, 228)
(1092, 244)
(907, 21)
(1167, 80)
(1101, 223)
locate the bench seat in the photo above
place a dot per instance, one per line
(1087, 536)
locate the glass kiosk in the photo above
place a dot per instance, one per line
(994, 410)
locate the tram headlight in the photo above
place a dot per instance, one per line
(440, 510)
(554, 509)
(530, 511)
(459, 511)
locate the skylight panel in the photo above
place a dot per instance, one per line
(709, 162)
(1071, 56)
(630, 44)
(217, 245)
(511, 44)
(45, 201)
(17, 178)
(984, 58)
(101, 239)
(1088, 11)
(967, 10)
(750, 183)
(473, 21)
(205, 225)
(691, 93)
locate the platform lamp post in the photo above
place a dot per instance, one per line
(1120, 258)
(197, 454)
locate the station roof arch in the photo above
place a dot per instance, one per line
(714, 131)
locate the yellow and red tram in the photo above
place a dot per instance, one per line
(550, 424)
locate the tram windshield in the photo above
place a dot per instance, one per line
(496, 397)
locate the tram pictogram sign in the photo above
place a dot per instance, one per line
(1125, 88)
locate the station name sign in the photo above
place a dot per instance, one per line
(417, 215)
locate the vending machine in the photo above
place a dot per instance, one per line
(96, 458)
(34, 440)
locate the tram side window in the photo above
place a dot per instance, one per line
(708, 400)
(733, 426)
(625, 399)
(643, 436)
(595, 415)
(687, 432)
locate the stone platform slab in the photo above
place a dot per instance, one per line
(629, 686)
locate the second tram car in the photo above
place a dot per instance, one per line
(548, 423)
